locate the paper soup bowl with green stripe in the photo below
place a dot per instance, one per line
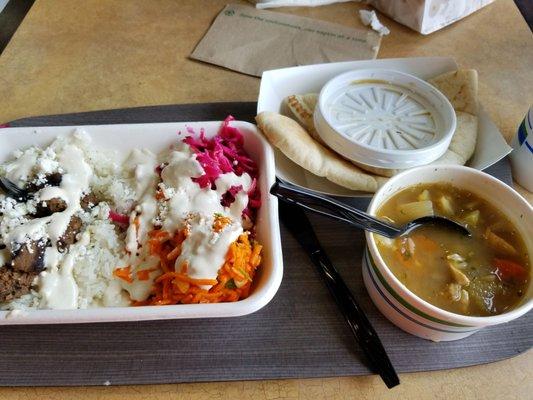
(405, 309)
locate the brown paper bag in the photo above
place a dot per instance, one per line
(251, 41)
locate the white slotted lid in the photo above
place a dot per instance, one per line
(384, 118)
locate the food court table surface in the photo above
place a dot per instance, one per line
(81, 55)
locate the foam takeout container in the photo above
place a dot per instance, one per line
(277, 84)
(156, 137)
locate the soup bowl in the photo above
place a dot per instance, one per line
(404, 308)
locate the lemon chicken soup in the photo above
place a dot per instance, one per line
(482, 275)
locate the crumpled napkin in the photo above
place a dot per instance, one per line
(369, 17)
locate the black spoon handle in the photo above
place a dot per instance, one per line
(12, 190)
(332, 208)
(296, 221)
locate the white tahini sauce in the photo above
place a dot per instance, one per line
(142, 163)
(186, 204)
(74, 183)
(140, 290)
(190, 198)
(204, 249)
(20, 169)
(56, 285)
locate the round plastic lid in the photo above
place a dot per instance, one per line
(384, 118)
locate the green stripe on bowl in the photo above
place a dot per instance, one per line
(402, 301)
(522, 133)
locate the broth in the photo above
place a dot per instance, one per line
(482, 275)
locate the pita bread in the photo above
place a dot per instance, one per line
(378, 171)
(294, 141)
(302, 107)
(305, 148)
(461, 147)
(460, 87)
(463, 141)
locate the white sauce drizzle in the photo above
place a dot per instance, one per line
(190, 198)
(58, 288)
(142, 163)
(56, 284)
(50, 192)
(140, 290)
(114, 296)
(204, 249)
(187, 204)
(73, 184)
(20, 169)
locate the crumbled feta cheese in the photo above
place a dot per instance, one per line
(168, 192)
(17, 153)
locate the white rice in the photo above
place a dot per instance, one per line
(95, 261)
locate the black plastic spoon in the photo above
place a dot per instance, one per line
(12, 190)
(329, 207)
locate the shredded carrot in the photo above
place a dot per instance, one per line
(159, 195)
(184, 267)
(171, 287)
(153, 232)
(164, 265)
(159, 235)
(124, 274)
(220, 222)
(183, 287)
(174, 253)
(144, 274)
(255, 259)
(184, 278)
(425, 244)
(140, 303)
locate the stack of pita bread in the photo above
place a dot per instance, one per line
(297, 138)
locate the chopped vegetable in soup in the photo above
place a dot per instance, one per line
(485, 274)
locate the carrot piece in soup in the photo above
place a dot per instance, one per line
(510, 271)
